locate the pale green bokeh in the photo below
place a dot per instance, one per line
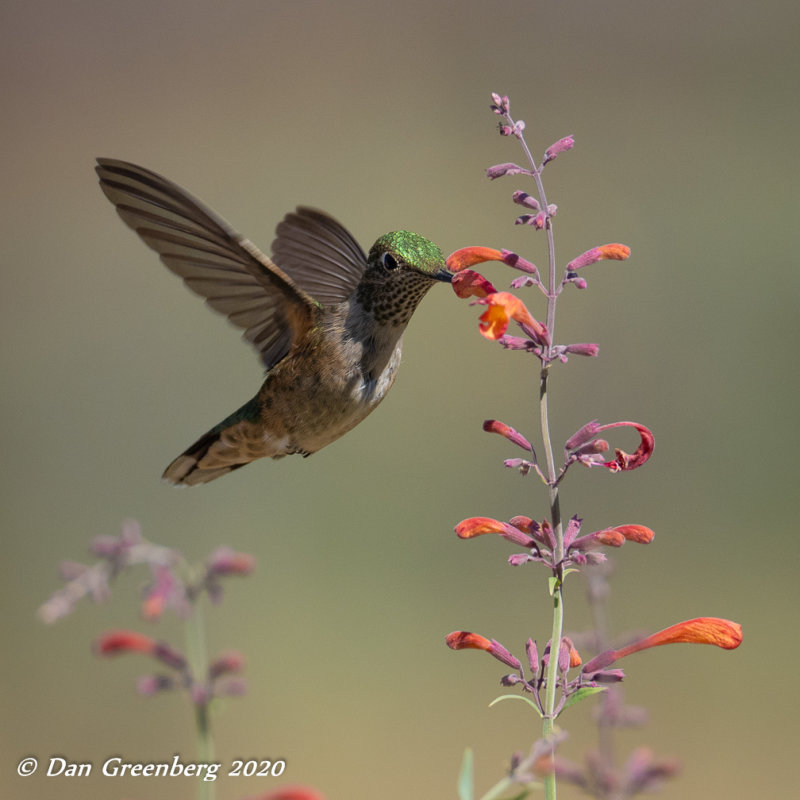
(685, 117)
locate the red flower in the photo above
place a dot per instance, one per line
(477, 526)
(626, 461)
(115, 642)
(495, 426)
(465, 640)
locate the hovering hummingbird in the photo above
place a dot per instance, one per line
(326, 319)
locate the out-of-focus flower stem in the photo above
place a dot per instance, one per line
(198, 664)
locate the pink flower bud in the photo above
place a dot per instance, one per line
(533, 656)
(555, 149)
(508, 168)
(518, 262)
(583, 349)
(524, 199)
(584, 434)
(224, 561)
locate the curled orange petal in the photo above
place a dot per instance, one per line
(469, 256)
(494, 322)
(503, 307)
(471, 284)
(628, 461)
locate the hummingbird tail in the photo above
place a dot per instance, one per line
(185, 470)
(224, 448)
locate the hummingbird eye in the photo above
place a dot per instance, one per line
(389, 261)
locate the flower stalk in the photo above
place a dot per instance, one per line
(557, 542)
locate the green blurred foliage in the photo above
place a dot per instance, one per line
(685, 117)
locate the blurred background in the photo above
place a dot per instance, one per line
(685, 117)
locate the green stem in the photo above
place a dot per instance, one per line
(551, 675)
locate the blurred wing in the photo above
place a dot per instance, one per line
(234, 276)
(319, 255)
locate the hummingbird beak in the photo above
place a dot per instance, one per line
(443, 275)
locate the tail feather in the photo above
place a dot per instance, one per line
(185, 470)
(220, 451)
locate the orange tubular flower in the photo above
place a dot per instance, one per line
(469, 256)
(613, 252)
(477, 526)
(465, 640)
(702, 630)
(635, 533)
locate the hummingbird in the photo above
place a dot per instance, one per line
(326, 319)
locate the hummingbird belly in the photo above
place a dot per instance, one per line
(317, 408)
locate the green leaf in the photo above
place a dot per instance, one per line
(516, 697)
(465, 777)
(568, 570)
(552, 585)
(582, 693)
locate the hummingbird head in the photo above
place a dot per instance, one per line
(401, 267)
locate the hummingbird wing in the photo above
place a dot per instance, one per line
(319, 254)
(216, 262)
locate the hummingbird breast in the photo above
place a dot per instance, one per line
(329, 383)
